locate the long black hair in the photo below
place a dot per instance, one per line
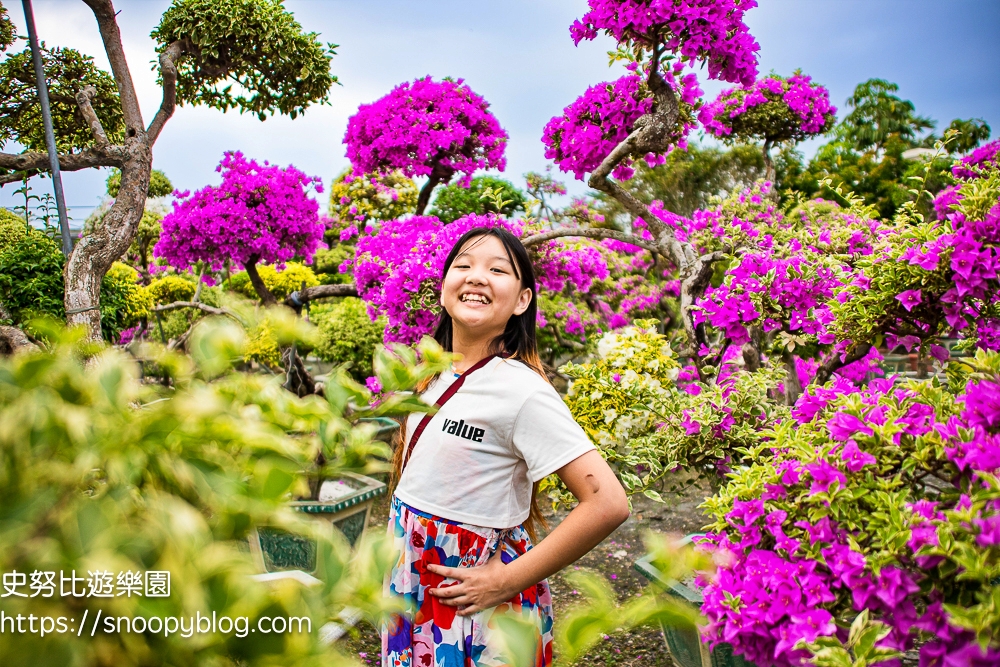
(518, 341)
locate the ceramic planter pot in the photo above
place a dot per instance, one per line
(344, 504)
(684, 642)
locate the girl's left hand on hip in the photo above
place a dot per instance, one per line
(478, 588)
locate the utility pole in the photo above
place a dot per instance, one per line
(50, 137)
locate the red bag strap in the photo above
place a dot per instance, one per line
(448, 393)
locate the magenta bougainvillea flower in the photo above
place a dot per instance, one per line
(770, 109)
(259, 213)
(425, 124)
(712, 31)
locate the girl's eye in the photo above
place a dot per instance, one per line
(498, 269)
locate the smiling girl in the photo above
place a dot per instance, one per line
(464, 513)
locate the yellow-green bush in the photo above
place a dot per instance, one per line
(281, 283)
(12, 229)
(171, 288)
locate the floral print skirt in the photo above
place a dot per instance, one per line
(431, 634)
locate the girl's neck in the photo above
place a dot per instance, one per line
(472, 348)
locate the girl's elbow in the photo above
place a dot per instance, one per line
(621, 511)
(617, 509)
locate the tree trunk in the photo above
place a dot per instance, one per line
(95, 253)
(793, 387)
(439, 174)
(266, 297)
(769, 171)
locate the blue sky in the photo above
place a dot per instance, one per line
(944, 54)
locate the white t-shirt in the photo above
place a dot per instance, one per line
(477, 459)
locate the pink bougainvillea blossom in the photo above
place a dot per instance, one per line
(259, 213)
(425, 124)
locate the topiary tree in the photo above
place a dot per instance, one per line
(648, 113)
(454, 201)
(426, 128)
(258, 214)
(250, 55)
(772, 110)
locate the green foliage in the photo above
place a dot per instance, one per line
(31, 280)
(971, 133)
(8, 31)
(877, 116)
(689, 180)
(159, 184)
(281, 283)
(250, 55)
(31, 286)
(454, 201)
(585, 624)
(860, 649)
(645, 426)
(866, 154)
(12, 229)
(66, 72)
(348, 335)
(100, 472)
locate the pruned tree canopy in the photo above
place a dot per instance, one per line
(67, 71)
(250, 55)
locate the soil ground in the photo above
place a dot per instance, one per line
(612, 558)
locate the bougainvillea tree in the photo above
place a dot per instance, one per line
(771, 110)
(647, 113)
(930, 280)
(426, 128)
(260, 213)
(884, 498)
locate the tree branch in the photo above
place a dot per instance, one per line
(590, 233)
(652, 133)
(694, 279)
(300, 298)
(112, 156)
(13, 340)
(835, 363)
(168, 71)
(200, 306)
(83, 98)
(104, 12)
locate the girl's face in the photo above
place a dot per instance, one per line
(481, 291)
